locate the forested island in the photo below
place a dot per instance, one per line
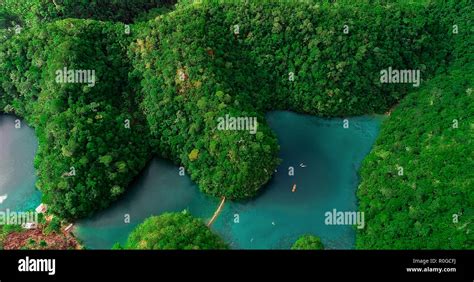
(164, 74)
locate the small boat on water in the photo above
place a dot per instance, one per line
(294, 188)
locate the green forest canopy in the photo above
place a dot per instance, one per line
(34, 12)
(308, 242)
(173, 231)
(199, 62)
(417, 182)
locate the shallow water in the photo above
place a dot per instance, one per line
(17, 174)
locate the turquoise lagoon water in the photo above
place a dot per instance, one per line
(17, 174)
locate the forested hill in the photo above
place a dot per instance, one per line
(417, 184)
(37, 12)
(172, 77)
(87, 154)
(206, 60)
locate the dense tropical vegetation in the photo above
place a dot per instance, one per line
(173, 231)
(87, 155)
(308, 242)
(33, 12)
(178, 71)
(207, 60)
(417, 183)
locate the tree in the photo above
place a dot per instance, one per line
(174, 77)
(308, 242)
(194, 154)
(177, 231)
(42, 11)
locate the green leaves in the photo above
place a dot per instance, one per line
(36, 12)
(417, 210)
(187, 82)
(80, 131)
(173, 231)
(188, 68)
(308, 242)
(106, 160)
